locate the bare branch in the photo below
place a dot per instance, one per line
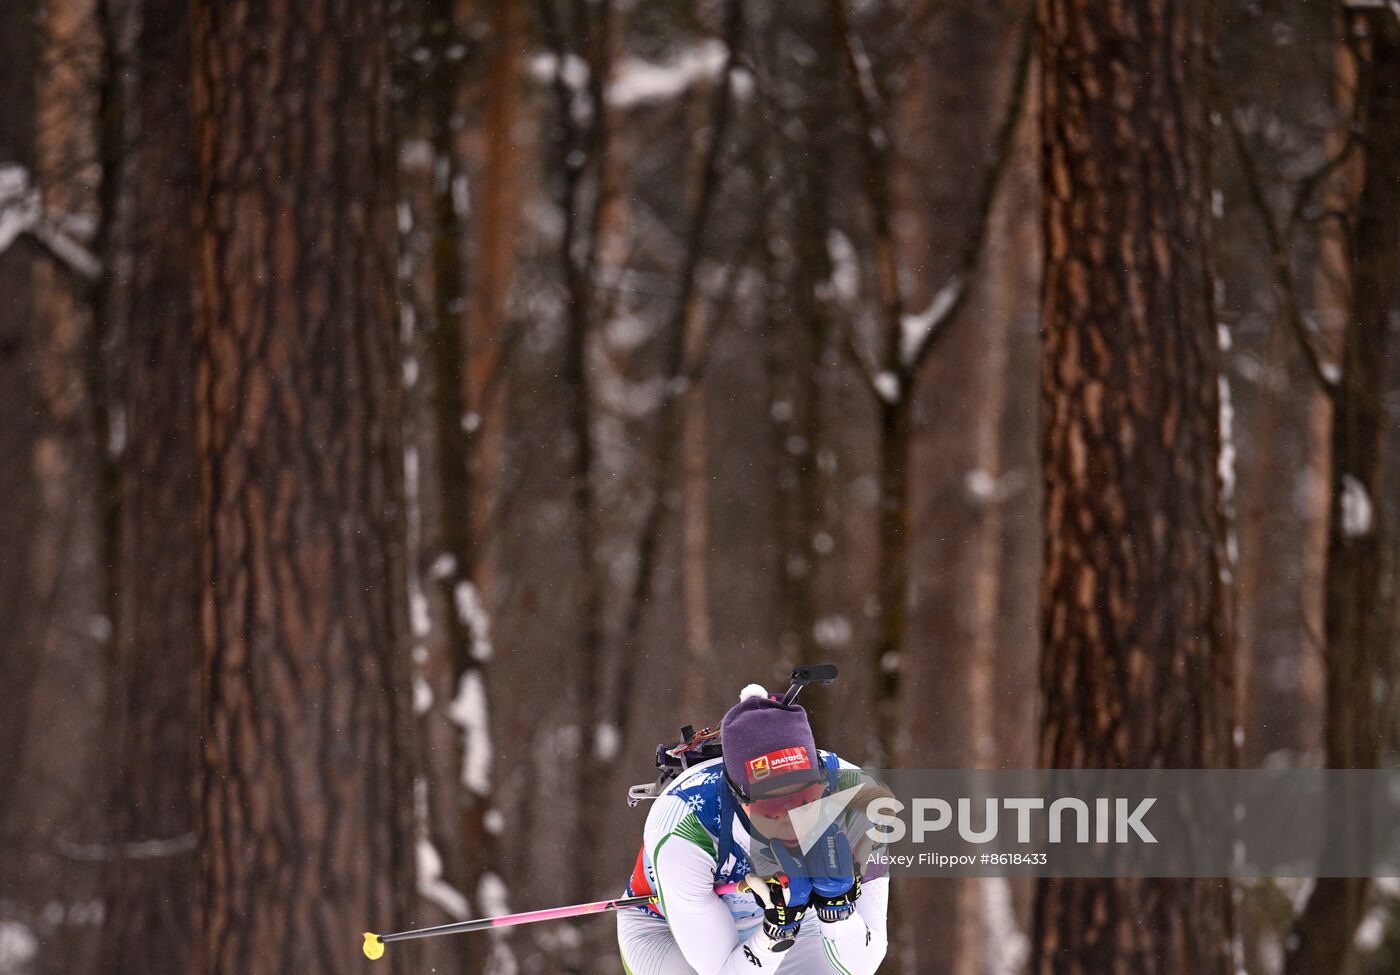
(1307, 186)
(1284, 284)
(923, 332)
(875, 147)
(920, 331)
(849, 344)
(71, 255)
(910, 338)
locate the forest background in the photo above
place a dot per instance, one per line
(412, 411)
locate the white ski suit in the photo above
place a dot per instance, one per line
(694, 931)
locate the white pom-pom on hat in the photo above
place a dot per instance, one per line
(753, 690)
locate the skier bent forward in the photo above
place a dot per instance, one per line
(722, 820)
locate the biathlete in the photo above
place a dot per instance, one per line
(728, 820)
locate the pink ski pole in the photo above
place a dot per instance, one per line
(374, 943)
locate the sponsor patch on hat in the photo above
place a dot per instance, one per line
(776, 763)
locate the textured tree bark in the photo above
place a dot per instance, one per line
(1354, 606)
(148, 306)
(1137, 656)
(305, 773)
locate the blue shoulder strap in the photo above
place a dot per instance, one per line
(728, 809)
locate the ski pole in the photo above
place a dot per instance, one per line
(374, 943)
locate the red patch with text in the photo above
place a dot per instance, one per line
(776, 763)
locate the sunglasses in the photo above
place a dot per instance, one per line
(774, 807)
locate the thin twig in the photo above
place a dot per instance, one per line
(1309, 183)
(868, 373)
(904, 365)
(875, 148)
(1284, 284)
(696, 368)
(961, 279)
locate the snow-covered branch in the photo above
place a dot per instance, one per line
(986, 487)
(19, 205)
(545, 67)
(844, 286)
(919, 330)
(637, 81)
(922, 333)
(913, 336)
(22, 212)
(870, 94)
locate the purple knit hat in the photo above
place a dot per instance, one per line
(768, 744)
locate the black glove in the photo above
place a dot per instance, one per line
(838, 905)
(783, 908)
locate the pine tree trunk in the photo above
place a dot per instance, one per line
(493, 272)
(1355, 610)
(490, 332)
(305, 772)
(156, 628)
(695, 529)
(892, 583)
(1136, 666)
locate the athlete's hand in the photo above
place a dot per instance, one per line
(783, 907)
(835, 881)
